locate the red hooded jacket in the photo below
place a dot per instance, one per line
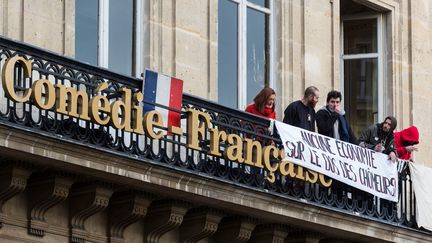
(408, 136)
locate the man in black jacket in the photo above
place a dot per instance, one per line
(331, 119)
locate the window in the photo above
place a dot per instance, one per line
(363, 71)
(244, 62)
(107, 33)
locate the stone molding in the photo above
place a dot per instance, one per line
(199, 223)
(13, 180)
(86, 200)
(335, 240)
(235, 229)
(302, 236)
(125, 209)
(163, 216)
(271, 233)
(164, 182)
(45, 191)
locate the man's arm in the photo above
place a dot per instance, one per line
(391, 150)
(325, 121)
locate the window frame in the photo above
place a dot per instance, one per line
(381, 46)
(242, 8)
(139, 12)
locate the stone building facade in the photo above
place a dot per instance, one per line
(55, 187)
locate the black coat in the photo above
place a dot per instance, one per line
(326, 119)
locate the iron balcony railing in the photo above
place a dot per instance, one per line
(170, 151)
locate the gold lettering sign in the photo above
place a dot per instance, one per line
(99, 107)
(8, 77)
(127, 114)
(68, 99)
(43, 103)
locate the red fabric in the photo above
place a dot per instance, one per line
(268, 112)
(410, 134)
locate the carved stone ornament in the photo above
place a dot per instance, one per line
(86, 200)
(45, 191)
(162, 217)
(272, 233)
(235, 229)
(124, 210)
(199, 223)
(13, 180)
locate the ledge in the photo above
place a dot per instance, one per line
(46, 152)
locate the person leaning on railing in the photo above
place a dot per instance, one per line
(404, 142)
(263, 104)
(380, 138)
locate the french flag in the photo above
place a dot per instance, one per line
(163, 90)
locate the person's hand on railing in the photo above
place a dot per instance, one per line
(392, 156)
(411, 148)
(379, 147)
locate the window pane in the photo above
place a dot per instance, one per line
(120, 36)
(257, 52)
(86, 31)
(360, 36)
(263, 3)
(227, 53)
(361, 92)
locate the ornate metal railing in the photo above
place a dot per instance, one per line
(170, 151)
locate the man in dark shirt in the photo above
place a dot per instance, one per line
(301, 113)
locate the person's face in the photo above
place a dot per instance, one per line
(387, 125)
(270, 101)
(333, 103)
(313, 99)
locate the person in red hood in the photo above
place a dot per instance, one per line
(404, 142)
(263, 104)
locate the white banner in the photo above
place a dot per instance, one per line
(361, 168)
(421, 177)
